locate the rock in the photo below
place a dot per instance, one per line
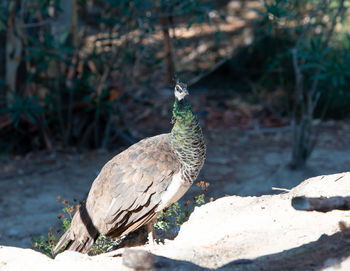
(138, 259)
(142, 260)
(231, 233)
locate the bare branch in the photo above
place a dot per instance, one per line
(325, 47)
(308, 25)
(334, 22)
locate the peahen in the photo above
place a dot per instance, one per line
(140, 182)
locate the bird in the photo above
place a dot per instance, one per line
(138, 183)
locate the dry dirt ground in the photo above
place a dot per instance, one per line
(239, 162)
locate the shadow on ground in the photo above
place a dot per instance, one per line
(311, 256)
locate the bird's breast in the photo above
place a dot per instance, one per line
(176, 189)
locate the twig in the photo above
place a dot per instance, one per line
(280, 189)
(86, 135)
(70, 75)
(298, 78)
(107, 132)
(44, 133)
(99, 90)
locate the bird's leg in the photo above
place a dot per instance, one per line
(151, 232)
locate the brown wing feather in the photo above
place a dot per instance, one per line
(127, 191)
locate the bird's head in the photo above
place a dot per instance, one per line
(180, 91)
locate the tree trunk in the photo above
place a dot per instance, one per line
(14, 47)
(167, 48)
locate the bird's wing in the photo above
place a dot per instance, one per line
(127, 191)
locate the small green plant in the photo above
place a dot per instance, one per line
(46, 244)
(18, 108)
(102, 245)
(171, 218)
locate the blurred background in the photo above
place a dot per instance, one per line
(81, 80)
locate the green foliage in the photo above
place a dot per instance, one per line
(102, 245)
(166, 219)
(312, 66)
(66, 221)
(74, 82)
(171, 218)
(281, 26)
(45, 244)
(19, 108)
(3, 16)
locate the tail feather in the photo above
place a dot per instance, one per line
(81, 246)
(80, 236)
(62, 242)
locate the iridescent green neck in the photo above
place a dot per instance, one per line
(182, 114)
(186, 138)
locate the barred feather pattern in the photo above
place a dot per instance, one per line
(133, 185)
(187, 140)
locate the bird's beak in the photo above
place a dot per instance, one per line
(186, 91)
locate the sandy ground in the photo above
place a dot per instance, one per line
(239, 162)
(240, 233)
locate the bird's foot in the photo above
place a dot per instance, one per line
(151, 233)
